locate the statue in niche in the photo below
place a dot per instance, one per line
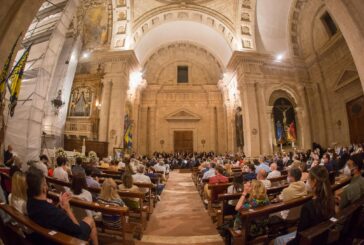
(239, 127)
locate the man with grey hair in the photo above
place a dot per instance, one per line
(275, 173)
(140, 177)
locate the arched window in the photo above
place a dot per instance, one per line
(284, 122)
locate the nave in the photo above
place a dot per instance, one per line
(180, 217)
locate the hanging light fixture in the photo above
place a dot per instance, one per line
(57, 102)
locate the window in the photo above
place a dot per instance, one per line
(182, 74)
(329, 24)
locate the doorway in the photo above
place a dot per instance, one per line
(183, 141)
(355, 110)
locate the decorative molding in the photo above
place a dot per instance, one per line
(121, 24)
(183, 115)
(346, 78)
(195, 13)
(247, 24)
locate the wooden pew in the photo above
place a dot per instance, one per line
(124, 194)
(58, 237)
(123, 212)
(339, 231)
(277, 181)
(247, 216)
(225, 198)
(213, 203)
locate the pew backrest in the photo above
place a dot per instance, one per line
(57, 237)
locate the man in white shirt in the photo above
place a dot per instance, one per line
(160, 167)
(275, 173)
(262, 176)
(60, 171)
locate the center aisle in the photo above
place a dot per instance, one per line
(180, 217)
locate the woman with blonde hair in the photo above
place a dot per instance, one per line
(109, 196)
(18, 196)
(254, 195)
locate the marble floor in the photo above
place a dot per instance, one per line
(180, 217)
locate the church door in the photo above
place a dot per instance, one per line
(183, 141)
(355, 109)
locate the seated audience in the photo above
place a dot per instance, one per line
(109, 196)
(60, 172)
(296, 189)
(128, 185)
(140, 177)
(78, 189)
(210, 172)
(219, 177)
(77, 168)
(8, 156)
(236, 187)
(262, 176)
(261, 165)
(355, 189)
(18, 195)
(91, 182)
(303, 168)
(274, 173)
(47, 215)
(319, 209)
(327, 163)
(254, 195)
(16, 166)
(250, 174)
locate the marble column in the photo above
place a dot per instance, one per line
(271, 131)
(105, 109)
(250, 119)
(306, 123)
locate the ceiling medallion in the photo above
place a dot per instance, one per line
(184, 1)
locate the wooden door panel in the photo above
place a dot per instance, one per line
(355, 111)
(183, 141)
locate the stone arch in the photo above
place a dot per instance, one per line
(169, 54)
(197, 14)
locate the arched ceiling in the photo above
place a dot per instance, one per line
(272, 27)
(183, 31)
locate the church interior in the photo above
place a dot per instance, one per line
(182, 122)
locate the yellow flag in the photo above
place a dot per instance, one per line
(16, 77)
(5, 71)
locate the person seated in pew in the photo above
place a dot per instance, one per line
(262, 176)
(77, 168)
(140, 177)
(78, 189)
(327, 163)
(128, 185)
(296, 189)
(18, 196)
(236, 187)
(113, 166)
(274, 173)
(210, 172)
(45, 214)
(249, 171)
(228, 168)
(91, 182)
(355, 189)
(16, 166)
(260, 164)
(303, 168)
(319, 209)
(219, 178)
(254, 195)
(109, 196)
(60, 172)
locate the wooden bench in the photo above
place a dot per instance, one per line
(339, 231)
(277, 181)
(213, 203)
(58, 237)
(124, 194)
(247, 216)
